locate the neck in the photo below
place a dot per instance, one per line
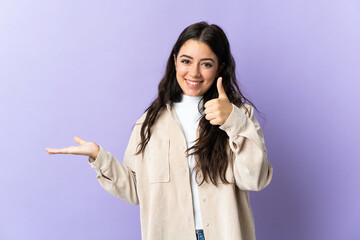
(190, 99)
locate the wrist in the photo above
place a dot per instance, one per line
(95, 154)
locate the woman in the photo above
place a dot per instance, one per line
(196, 151)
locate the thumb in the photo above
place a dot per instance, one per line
(220, 88)
(79, 140)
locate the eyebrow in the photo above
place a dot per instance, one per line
(184, 55)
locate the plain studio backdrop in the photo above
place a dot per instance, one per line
(90, 68)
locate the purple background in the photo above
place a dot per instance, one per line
(90, 68)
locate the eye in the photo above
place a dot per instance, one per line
(208, 65)
(185, 61)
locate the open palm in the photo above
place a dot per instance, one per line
(90, 149)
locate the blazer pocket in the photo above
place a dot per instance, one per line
(159, 161)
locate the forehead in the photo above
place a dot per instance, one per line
(196, 49)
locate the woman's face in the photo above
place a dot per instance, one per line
(196, 67)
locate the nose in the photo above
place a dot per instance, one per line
(194, 71)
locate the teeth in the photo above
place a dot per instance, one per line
(193, 83)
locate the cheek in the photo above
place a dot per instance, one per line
(181, 70)
(209, 75)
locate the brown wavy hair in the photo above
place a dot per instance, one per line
(212, 142)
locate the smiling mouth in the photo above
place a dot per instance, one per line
(193, 83)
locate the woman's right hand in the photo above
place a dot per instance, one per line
(90, 149)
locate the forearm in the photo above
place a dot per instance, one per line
(115, 177)
(252, 171)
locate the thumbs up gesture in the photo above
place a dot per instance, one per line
(217, 110)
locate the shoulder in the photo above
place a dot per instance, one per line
(141, 119)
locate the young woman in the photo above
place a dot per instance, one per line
(196, 151)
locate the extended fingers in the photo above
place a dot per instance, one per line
(68, 150)
(56, 150)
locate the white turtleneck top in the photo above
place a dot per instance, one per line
(189, 116)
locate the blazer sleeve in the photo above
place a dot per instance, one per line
(252, 171)
(119, 179)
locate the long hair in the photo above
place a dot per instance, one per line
(212, 161)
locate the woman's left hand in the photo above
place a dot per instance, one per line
(217, 110)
